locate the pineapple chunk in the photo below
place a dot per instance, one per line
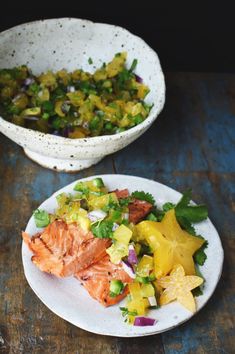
(145, 266)
(122, 234)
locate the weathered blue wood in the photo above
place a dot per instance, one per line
(192, 144)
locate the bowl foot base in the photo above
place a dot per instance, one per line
(61, 165)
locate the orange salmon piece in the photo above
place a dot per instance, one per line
(96, 280)
(63, 250)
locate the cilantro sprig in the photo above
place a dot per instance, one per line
(102, 229)
(187, 214)
(141, 195)
(126, 312)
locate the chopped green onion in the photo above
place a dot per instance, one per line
(94, 123)
(133, 65)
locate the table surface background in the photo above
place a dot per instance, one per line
(192, 144)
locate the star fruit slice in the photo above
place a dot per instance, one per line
(171, 244)
(178, 287)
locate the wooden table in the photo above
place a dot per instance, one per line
(192, 144)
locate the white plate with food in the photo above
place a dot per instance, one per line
(122, 255)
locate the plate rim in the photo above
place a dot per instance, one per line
(132, 335)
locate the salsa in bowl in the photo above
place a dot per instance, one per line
(68, 44)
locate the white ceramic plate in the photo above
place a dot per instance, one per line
(68, 299)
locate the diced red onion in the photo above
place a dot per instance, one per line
(127, 267)
(138, 79)
(152, 301)
(144, 321)
(96, 215)
(132, 257)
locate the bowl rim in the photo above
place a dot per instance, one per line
(155, 111)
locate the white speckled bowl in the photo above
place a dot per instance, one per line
(68, 43)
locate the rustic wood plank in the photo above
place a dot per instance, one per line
(192, 144)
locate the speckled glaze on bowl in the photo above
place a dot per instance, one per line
(68, 43)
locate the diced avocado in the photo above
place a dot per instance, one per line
(116, 287)
(98, 182)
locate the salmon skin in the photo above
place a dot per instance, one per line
(64, 249)
(138, 209)
(96, 280)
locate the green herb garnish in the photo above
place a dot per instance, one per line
(200, 255)
(141, 195)
(102, 229)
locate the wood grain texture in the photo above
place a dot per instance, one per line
(192, 144)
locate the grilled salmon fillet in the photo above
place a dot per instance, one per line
(96, 280)
(64, 249)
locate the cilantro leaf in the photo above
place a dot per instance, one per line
(193, 213)
(168, 206)
(197, 291)
(125, 312)
(125, 201)
(151, 217)
(141, 195)
(112, 205)
(185, 199)
(186, 225)
(41, 218)
(81, 187)
(200, 255)
(102, 229)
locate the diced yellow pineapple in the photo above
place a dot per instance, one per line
(117, 251)
(135, 291)
(147, 290)
(103, 200)
(43, 94)
(116, 65)
(122, 234)
(76, 98)
(48, 79)
(145, 266)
